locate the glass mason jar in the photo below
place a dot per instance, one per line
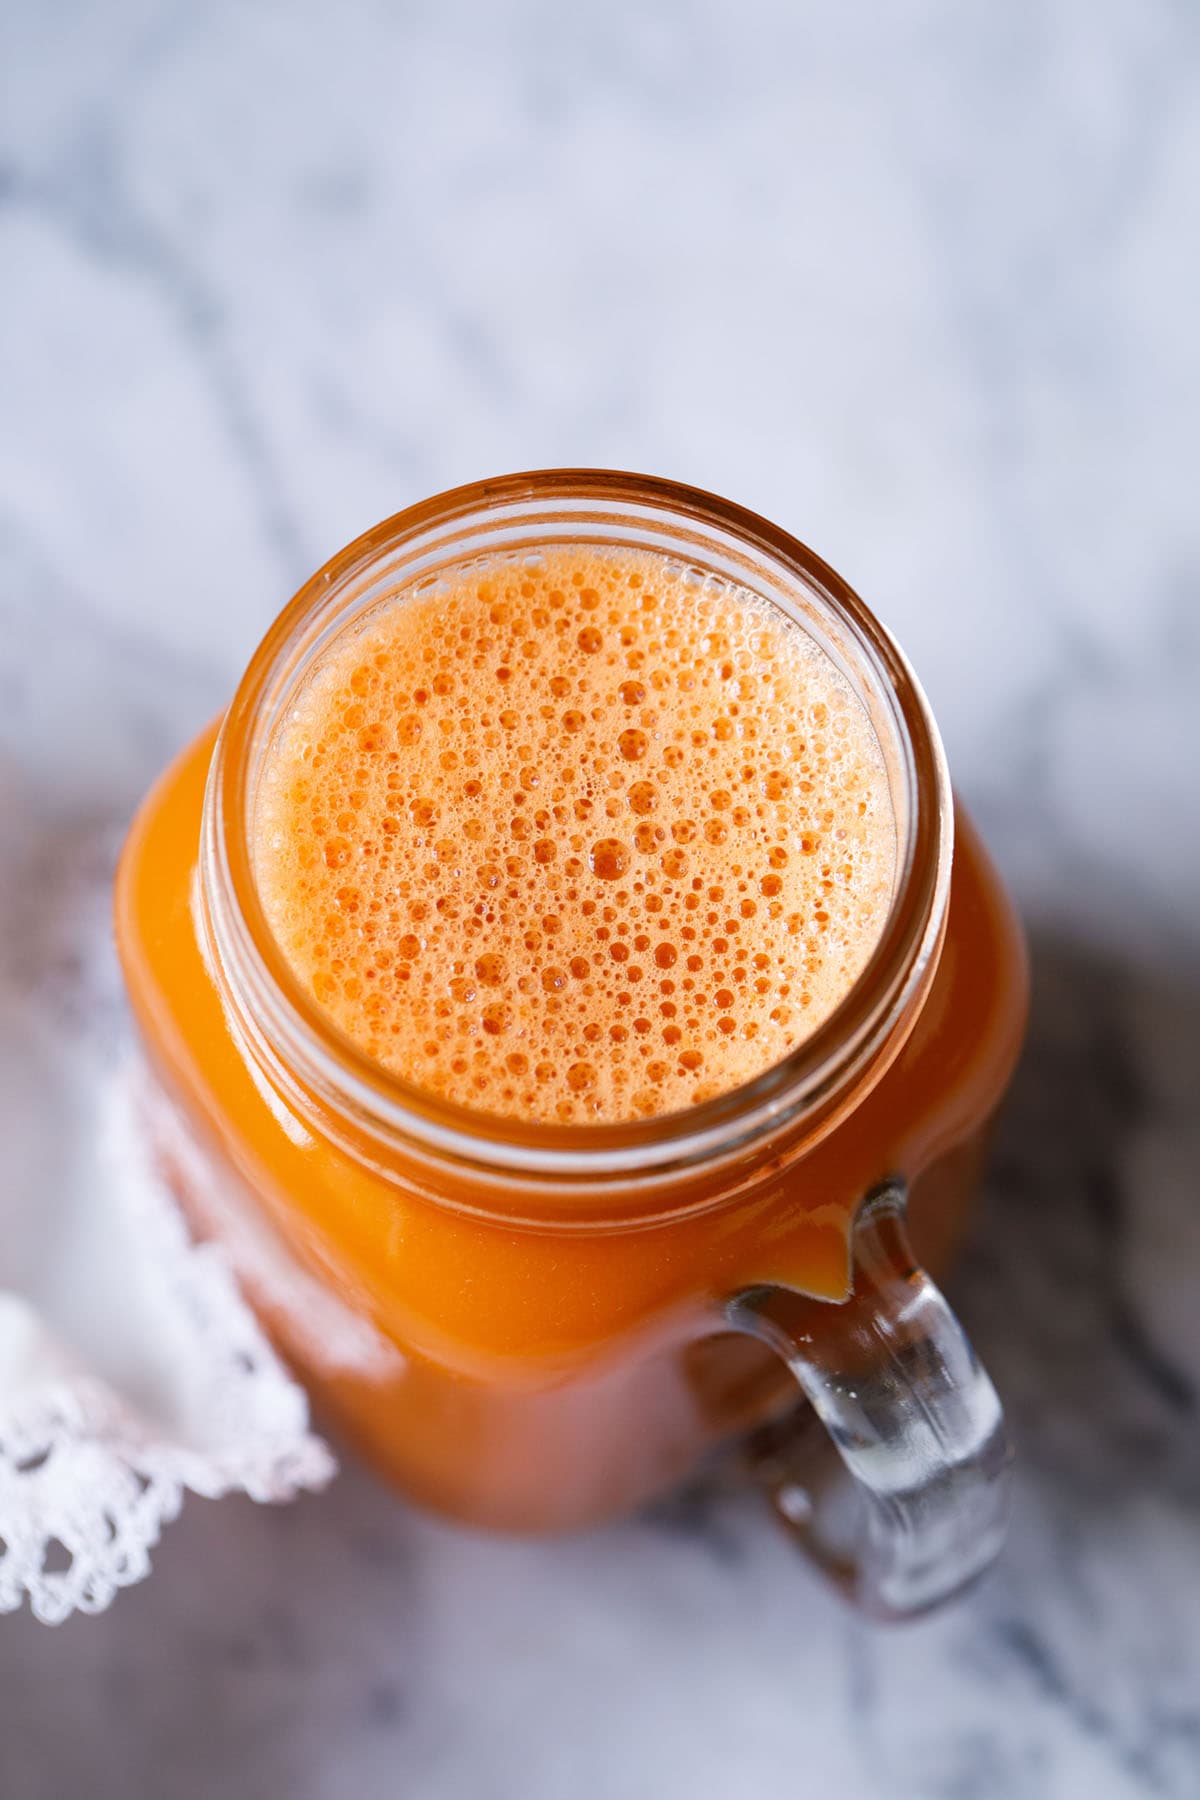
(537, 1327)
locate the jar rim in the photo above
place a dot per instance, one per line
(312, 1065)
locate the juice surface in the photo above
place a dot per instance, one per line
(576, 836)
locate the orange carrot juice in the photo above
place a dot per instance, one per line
(561, 937)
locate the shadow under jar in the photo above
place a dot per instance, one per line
(536, 1327)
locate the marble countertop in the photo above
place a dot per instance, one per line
(921, 284)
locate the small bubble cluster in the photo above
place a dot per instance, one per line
(576, 835)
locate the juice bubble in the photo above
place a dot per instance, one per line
(561, 821)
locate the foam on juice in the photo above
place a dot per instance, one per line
(576, 835)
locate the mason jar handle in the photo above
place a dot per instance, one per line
(911, 1413)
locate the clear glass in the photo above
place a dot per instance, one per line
(909, 1410)
(616, 1268)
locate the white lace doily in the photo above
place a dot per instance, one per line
(131, 1370)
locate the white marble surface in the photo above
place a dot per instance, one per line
(920, 281)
